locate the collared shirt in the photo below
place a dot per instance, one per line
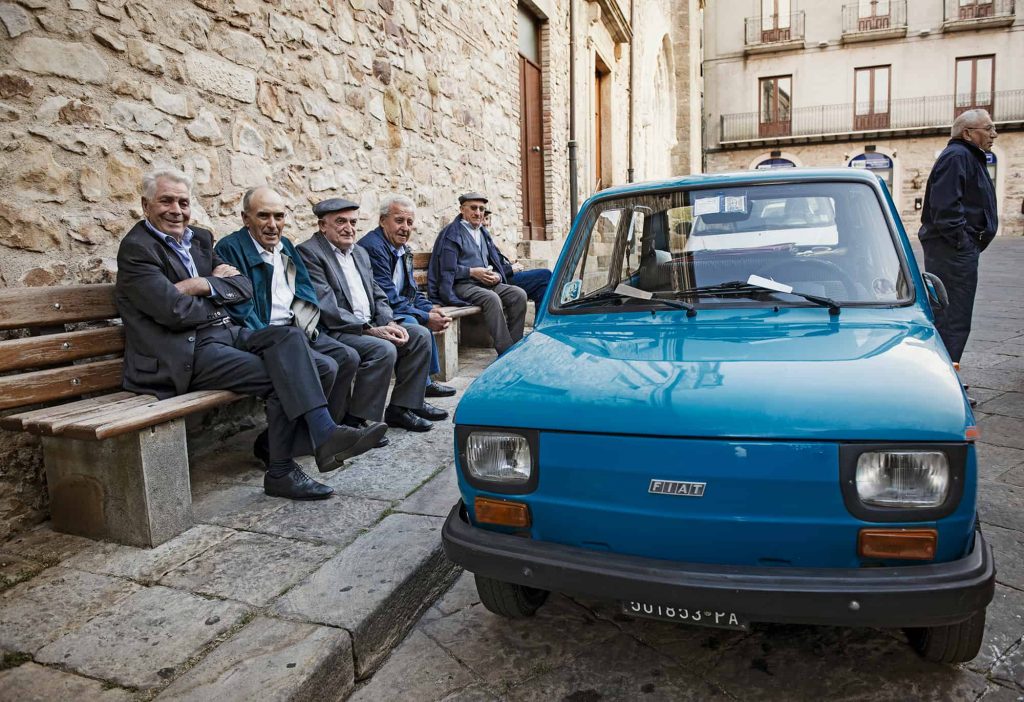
(182, 249)
(281, 294)
(476, 233)
(398, 275)
(354, 283)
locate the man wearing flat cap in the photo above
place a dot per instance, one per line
(355, 311)
(283, 295)
(466, 269)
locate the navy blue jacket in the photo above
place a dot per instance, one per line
(445, 271)
(409, 300)
(960, 200)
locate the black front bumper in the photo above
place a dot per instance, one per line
(905, 596)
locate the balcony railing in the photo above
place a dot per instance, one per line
(833, 121)
(870, 17)
(969, 14)
(762, 32)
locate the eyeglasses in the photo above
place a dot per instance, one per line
(991, 129)
(476, 208)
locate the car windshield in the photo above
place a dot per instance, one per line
(774, 244)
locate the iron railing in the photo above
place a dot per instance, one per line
(905, 114)
(874, 16)
(966, 10)
(775, 29)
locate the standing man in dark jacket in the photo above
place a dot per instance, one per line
(465, 269)
(958, 221)
(174, 294)
(393, 272)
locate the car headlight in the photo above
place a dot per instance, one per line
(906, 479)
(498, 457)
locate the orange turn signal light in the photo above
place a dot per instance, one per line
(910, 544)
(972, 433)
(502, 512)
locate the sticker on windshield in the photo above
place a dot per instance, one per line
(707, 205)
(571, 291)
(735, 203)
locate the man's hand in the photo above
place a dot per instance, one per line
(485, 276)
(438, 320)
(390, 332)
(196, 287)
(225, 271)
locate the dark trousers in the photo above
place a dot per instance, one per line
(504, 309)
(275, 363)
(435, 359)
(534, 282)
(958, 270)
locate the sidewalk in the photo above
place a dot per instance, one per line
(264, 598)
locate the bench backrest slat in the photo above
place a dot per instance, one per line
(420, 261)
(58, 383)
(52, 349)
(42, 307)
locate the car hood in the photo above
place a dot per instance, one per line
(842, 381)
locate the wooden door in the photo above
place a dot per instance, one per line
(531, 128)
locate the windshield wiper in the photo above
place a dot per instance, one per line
(751, 285)
(627, 292)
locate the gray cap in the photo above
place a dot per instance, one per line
(466, 197)
(335, 204)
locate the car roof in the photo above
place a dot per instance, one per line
(775, 175)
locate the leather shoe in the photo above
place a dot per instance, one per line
(358, 423)
(261, 449)
(346, 442)
(435, 389)
(405, 419)
(296, 485)
(428, 411)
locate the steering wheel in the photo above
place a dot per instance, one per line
(798, 268)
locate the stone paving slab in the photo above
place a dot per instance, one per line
(1003, 431)
(994, 460)
(1004, 627)
(272, 661)
(146, 638)
(14, 569)
(338, 520)
(1001, 504)
(419, 670)
(236, 507)
(993, 379)
(1010, 670)
(55, 603)
(377, 587)
(47, 546)
(148, 564)
(1010, 404)
(35, 683)
(1008, 546)
(436, 497)
(250, 568)
(397, 470)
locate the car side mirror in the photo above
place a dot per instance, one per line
(937, 295)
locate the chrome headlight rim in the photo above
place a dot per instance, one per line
(462, 433)
(849, 454)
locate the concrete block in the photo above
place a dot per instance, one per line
(474, 332)
(36, 683)
(448, 350)
(55, 603)
(377, 587)
(271, 660)
(133, 489)
(147, 639)
(252, 568)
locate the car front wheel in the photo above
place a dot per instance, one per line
(508, 599)
(952, 643)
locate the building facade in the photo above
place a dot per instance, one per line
(320, 98)
(870, 84)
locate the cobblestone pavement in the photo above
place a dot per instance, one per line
(583, 651)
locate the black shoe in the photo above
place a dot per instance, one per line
(346, 442)
(971, 401)
(296, 485)
(435, 389)
(261, 449)
(405, 419)
(428, 411)
(355, 422)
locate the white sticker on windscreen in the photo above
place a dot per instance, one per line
(735, 203)
(707, 205)
(571, 291)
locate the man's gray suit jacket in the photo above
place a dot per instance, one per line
(160, 322)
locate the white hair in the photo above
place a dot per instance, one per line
(391, 200)
(967, 120)
(247, 197)
(150, 179)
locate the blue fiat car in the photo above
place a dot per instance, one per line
(734, 408)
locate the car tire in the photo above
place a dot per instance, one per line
(953, 643)
(508, 599)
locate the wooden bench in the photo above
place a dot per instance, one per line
(448, 340)
(116, 462)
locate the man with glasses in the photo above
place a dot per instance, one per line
(958, 221)
(466, 269)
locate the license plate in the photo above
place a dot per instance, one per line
(686, 615)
